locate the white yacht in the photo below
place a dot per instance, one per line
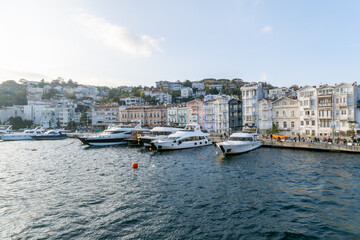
(112, 136)
(157, 133)
(26, 135)
(239, 143)
(190, 137)
(55, 134)
(5, 129)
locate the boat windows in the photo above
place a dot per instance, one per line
(244, 139)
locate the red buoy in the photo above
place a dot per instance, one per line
(135, 165)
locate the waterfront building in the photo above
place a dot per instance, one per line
(195, 112)
(308, 105)
(103, 116)
(198, 85)
(14, 111)
(65, 113)
(285, 116)
(129, 101)
(209, 116)
(186, 92)
(346, 97)
(251, 94)
(235, 115)
(326, 106)
(221, 105)
(150, 116)
(33, 112)
(177, 115)
(265, 119)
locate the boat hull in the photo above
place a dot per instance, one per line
(58, 137)
(13, 137)
(166, 146)
(102, 141)
(232, 149)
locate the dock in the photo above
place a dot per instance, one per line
(312, 146)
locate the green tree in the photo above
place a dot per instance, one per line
(351, 130)
(274, 128)
(18, 122)
(187, 83)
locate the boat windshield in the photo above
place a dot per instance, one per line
(173, 138)
(244, 139)
(161, 133)
(112, 132)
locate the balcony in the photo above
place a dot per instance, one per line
(344, 117)
(325, 104)
(325, 117)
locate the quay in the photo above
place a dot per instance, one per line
(312, 146)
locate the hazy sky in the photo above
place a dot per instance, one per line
(137, 42)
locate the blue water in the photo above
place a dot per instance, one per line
(64, 190)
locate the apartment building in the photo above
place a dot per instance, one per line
(195, 112)
(103, 116)
(251, 94)
(308, 106)
(265, 119)
(285, 116)
(150, 116)
(326, 106)
(221, 105)
(235, 115)
(209, 116)
(177, 115)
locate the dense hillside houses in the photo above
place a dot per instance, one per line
(220, 106)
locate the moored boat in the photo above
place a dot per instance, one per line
(55, 134)
(190, 137)
(136, 135)
(157, 133)
(239, 143)
(26, 135)
(114, 135)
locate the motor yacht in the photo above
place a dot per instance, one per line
(189, 137)
(239, 143)
(157, 133)
(114, 135)
(55, 134)
(26, 135)
(5, 129)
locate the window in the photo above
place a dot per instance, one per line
(312, 113)
(292, 124)
(307, 123)
(285, 125)
(313, 122)
(302, 123)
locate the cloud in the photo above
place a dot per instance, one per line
(117, 37)
(267, 29)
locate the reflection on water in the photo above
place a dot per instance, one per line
(67, 190)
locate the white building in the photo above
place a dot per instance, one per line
(105, 115)
(221, 105)
(132, 101)
(345, 98)
(162, 97)
(251, 94)
(177, 116)
(34, 93)
(285, 116)
(308, 108)
(14, 111)
(277, 92)
(186, 92)
(48, 117)
(209, 116)
(264, 115)
(216, 86)
(198, 85)
(65, 113)
(199, 93)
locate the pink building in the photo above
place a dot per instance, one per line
(194, 112)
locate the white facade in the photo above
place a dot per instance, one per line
(345, 106)
(209, 116)
(105, 115)
(48, 117)
(186, 92)
(65, 113)
(216, 86)
(308, 111)
(265, 119)
(222, 115)
(325, 110)
(132, 101)
(198, 85)
(285, 116)
(177, 115)
(34, 93)
(162, 97)
(251, 94)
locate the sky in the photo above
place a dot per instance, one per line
(138, 42)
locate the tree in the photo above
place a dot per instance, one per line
(85, 120)
(274, 128)
(187, 83)
(351, 131)
(18, 122)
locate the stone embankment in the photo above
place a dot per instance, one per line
(312, 146)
